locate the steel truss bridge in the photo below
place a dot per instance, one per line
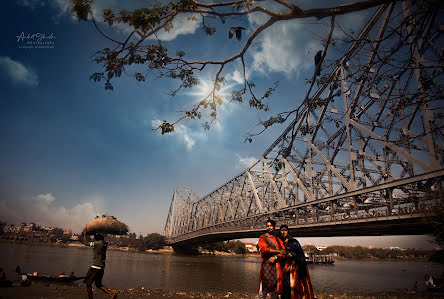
(363, 156)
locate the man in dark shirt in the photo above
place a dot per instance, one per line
(96, 271)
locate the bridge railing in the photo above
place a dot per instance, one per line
(418, 204)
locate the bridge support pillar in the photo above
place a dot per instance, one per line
(186, 249)
(389, 198)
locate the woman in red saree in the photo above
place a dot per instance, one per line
(270, 277)
(296, 279)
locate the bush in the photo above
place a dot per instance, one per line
(229, 246)
(358, 252)
(154, 241)
(238, 247)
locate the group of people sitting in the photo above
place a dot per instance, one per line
(284, 269)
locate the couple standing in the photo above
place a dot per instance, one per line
(283, 267)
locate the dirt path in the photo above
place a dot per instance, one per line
(79, 291)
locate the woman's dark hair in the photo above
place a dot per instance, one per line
(271, 221)
(283, 226)
(294, 247)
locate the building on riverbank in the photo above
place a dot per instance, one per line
(32, 232)
(250, 247)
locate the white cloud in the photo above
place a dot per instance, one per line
(156, 123)
(236, 76)
(181, 26)
(187, 138)
(285, 47)
(8, 214)
(45, 198)
(43, 209)
(245, 162)
(290, 46)
(61, 6)
(32, 4)
(17, 72)
(282, 47)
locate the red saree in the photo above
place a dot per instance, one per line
(296, 281)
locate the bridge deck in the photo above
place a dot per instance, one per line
(414, 224)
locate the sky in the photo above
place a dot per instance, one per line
(71, 150)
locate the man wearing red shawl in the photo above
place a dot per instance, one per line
(272, 249)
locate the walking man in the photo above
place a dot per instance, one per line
(96, 271)
(272, 250)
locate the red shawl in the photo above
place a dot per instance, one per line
(265, 249)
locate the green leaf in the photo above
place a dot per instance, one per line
(168, 26)
(108, 86)
(218, 99)
(108, 16)
(166, 127)
(139, 77)
(180, 53)
(96, 77)
(206, 126)
(209, 30)
(236, 96)
(81, 9)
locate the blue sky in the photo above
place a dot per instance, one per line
(72, 150)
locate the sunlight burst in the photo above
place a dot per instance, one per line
(205, 87)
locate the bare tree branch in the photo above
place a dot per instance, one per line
(147, 22)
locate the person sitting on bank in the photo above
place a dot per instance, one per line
(96, 271)
(3, 281)
(432, 282)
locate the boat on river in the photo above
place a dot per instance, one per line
(53, 279)
(312, 258)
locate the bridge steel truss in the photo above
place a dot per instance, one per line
(365, 158)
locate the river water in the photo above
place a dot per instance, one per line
(205, 273)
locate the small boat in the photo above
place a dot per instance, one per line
(319, 258)
(53, 279)
(5, 283)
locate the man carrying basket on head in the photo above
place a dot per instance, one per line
(95, 273)
(97, 269)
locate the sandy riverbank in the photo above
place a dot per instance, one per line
(78, 291)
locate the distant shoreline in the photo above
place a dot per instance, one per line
(168, 252)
